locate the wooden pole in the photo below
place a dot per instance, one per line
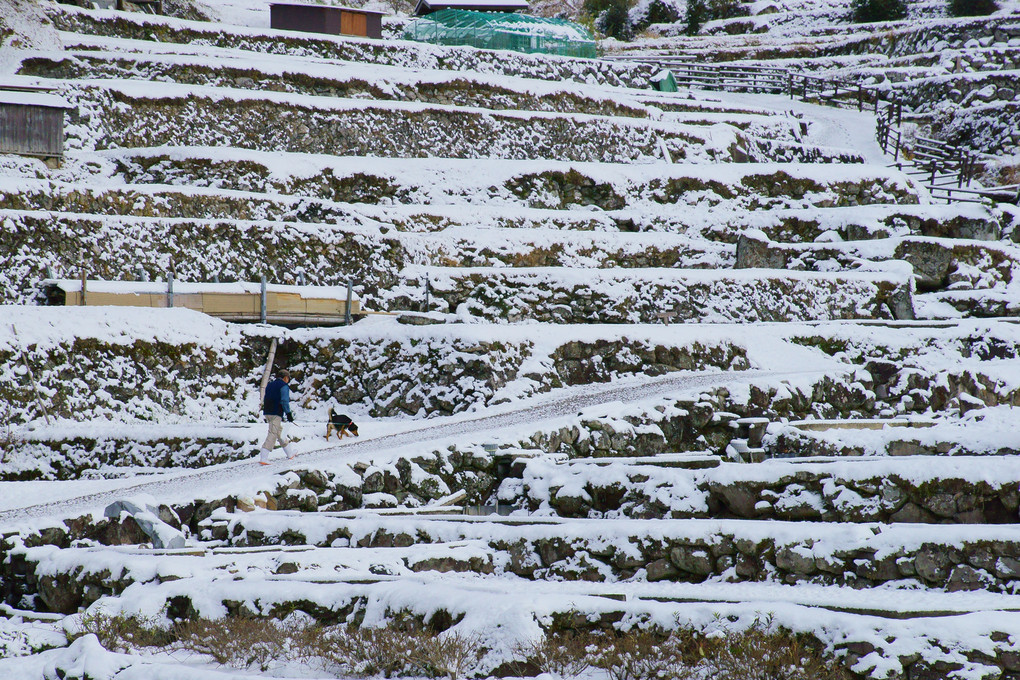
(31, 376)
(262, 306)
(84, 280)
(268, 369)
(350, 300)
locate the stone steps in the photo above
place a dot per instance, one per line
(642, 295)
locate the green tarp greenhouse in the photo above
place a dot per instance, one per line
(503, 31)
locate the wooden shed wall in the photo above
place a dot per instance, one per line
(305, 18)
(325, 19)
(31, 130)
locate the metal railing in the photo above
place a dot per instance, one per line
(940, 163)
(732, 79)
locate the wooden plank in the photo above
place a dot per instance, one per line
(282, 307)
(218, 304)
(285, 303)
(322, 306)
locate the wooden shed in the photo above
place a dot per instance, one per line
(239, 302)
(325, 19)
(31, 121)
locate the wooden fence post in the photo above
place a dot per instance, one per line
(350, 299)
(262, 301)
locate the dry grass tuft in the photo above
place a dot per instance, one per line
(762, 652)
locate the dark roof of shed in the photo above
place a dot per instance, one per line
(428, 6)
(358, 10)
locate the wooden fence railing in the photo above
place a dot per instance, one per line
(732, 79)
(940, 163)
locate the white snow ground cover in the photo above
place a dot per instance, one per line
(501, 610)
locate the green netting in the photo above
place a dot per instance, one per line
(503, 31)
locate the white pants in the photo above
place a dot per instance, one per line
(275, 433)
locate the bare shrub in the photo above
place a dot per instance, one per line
(121, 632)
(361, 651)
(395, 650)
(566, 654)
(766, 652)
(240, 642)
(449, 654)
(10, 439)
(643, 655)
(762, 652)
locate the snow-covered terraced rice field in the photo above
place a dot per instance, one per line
(607, 299)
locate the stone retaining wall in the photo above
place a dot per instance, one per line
(730, 555)
(606, 297)
(758, 492)
(403, 54)
(107, 119)
(554, 187)
(93, 457)
(531, 552)
(464, 91)
(937, 265)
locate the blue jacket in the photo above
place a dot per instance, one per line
(277, 401)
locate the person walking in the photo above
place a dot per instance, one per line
(276, 405)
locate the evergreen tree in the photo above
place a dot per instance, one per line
(611, 17)
(868, 11)
(697, 12)
(971, 8)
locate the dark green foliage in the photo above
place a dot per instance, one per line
(697, 13)
(657, 12)
(972, 8)
(869, 11)
(726, 9)
(611, 17)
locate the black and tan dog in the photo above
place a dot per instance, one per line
(341, 424)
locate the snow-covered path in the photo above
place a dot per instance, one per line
(829, 126)
(500, 423)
